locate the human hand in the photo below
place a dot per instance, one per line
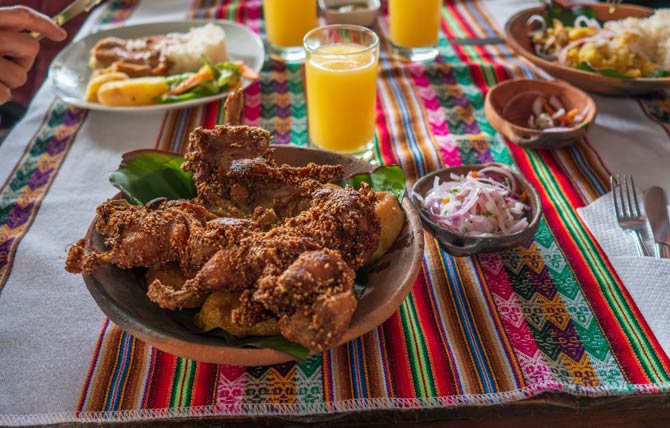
(18, 48)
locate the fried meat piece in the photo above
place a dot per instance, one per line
(142, 51)
(234, 173)
(234, 108)
(157, 233)
(342, 220)
(313, 298)
(136, 236)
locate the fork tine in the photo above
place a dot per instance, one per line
(622, 200)
(629, 210)
(637, 206)
(615, 186)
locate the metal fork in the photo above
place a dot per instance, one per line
(628, 211)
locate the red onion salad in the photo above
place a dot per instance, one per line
(482, 203)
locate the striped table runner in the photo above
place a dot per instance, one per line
(548, 316)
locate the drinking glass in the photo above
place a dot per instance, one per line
(341, 79)
(286, 23)
(415, 28)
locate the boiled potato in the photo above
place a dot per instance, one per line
(170, 275)
(132, 92)
(217, 311)
(392, 219)
(97, 81)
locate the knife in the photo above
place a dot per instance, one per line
(656, 206)
(72, 10)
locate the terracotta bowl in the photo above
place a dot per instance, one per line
(516, 31)
(121, 293)
(462, 245)
(508, 106)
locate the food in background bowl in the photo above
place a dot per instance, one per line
(473, 209)
(163, 68)
(627, 48)
(549, 114)
(487, 202)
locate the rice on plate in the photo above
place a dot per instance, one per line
(185, 50)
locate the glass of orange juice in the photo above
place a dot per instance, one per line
(415, 29)
(286, 23)
(341, 79)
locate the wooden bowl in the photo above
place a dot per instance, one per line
(462, 245)
(121, 294)
(508, 106)
(364, 16)
(516, 31)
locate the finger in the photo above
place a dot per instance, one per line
(19, 18)
(13, 75)
(5, 94)
(19, 47)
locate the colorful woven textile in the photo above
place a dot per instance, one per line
(548, 316)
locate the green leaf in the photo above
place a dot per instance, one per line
(185, 318)
(608, 72)
(145, 175)
(215, 71)
(205, 89)
(567, 16)
(229, 75)
(389, 178)
(176, 79)
(659, 73)
(360, 282)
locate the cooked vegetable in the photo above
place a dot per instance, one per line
(392, 219)
(622, 49)
(550, 115)
(247, 73)
(217, 310)
(132, 92)
(203, 75)
(171, 275)
(209, 80)
(95, 83)
(482, 203)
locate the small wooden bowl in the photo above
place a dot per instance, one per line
(364, 16)
(516, 32)
(508, 106)
(462, 245)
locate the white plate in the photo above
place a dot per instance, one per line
(70, 73)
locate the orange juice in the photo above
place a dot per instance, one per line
(287, 21)
(414, 23)
(341, 91)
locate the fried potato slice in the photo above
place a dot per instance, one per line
(216, 312)
(132, 92)
(98, 80)
(170, 275)
(392, 219)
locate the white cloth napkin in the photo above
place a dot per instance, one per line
(647, 279)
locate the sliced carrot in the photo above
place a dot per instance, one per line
(569, 117)
(247, 73)
(523, 196)
(546, 106)
(202, 76)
